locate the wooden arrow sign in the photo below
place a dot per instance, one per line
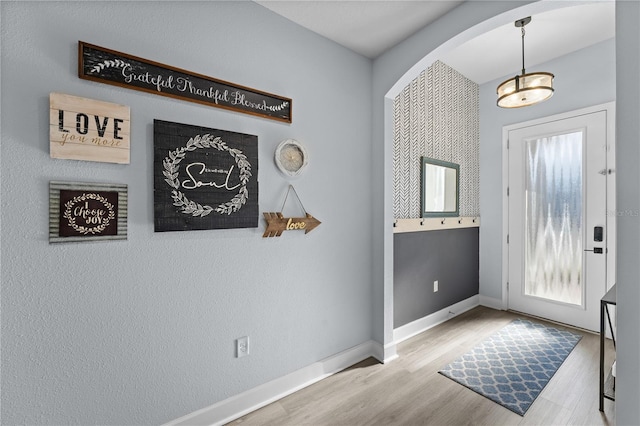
(276, 224)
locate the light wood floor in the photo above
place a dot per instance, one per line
(409, 390)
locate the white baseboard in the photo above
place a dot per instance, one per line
(491, 302)
(239, 405)
(384, 354)
(246, 402)
(423, 324)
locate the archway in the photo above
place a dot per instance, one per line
(464, 36)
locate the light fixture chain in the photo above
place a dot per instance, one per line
(523, 71)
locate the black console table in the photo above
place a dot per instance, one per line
(607, 385)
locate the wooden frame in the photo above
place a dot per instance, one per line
(447, 195)
(108, 66)
(87, 211)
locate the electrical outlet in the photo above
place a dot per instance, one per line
(435, 286)
(242, 346)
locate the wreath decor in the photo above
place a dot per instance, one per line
(83, 229)
(180, 200)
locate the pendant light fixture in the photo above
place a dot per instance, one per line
(525, 89)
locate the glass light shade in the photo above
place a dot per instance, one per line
(525, 89)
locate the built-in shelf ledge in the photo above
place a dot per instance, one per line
(434, 224)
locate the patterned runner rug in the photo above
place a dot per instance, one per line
(512, 366)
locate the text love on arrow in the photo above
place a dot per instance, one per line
(276, 224)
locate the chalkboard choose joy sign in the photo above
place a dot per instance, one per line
(87, 211)
(120, 69)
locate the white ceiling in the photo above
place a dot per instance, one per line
(549, 35)
(370, 27)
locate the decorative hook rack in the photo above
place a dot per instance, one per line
(401, 225)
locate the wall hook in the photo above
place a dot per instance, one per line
(459, 220)
(422, 222)
(474, 220)
(442, 222)
(395, 223)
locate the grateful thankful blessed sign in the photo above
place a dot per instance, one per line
(85, 129)
(120, 69)
(204, 178)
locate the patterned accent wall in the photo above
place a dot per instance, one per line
(436, 115)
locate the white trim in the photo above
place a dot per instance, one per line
(493, 303)
(610, 109)
(239, 405)
(423, 324)
(612, 209)
(505, 218)
(385, 354)
(607, 106)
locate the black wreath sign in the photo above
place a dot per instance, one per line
(204, 178)
(187, 206)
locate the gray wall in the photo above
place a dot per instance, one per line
(628, 198)
(155, 341)
(573, 73)
(142, 331)
(420, 258)
(436, 115)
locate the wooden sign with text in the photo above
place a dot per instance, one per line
(87, 212)
(120, 69)
(90, 130)
(277, 224)
(204, 178)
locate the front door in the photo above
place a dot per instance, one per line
(557, 212)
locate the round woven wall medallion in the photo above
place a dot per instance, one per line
(291, 157)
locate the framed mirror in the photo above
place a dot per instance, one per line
(440, 188)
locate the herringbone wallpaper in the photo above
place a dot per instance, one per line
(437, 116)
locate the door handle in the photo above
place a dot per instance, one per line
(596, 250)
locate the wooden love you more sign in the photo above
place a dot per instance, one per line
(86, 129)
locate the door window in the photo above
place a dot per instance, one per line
(553, 218)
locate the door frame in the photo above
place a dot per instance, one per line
(609, 108)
